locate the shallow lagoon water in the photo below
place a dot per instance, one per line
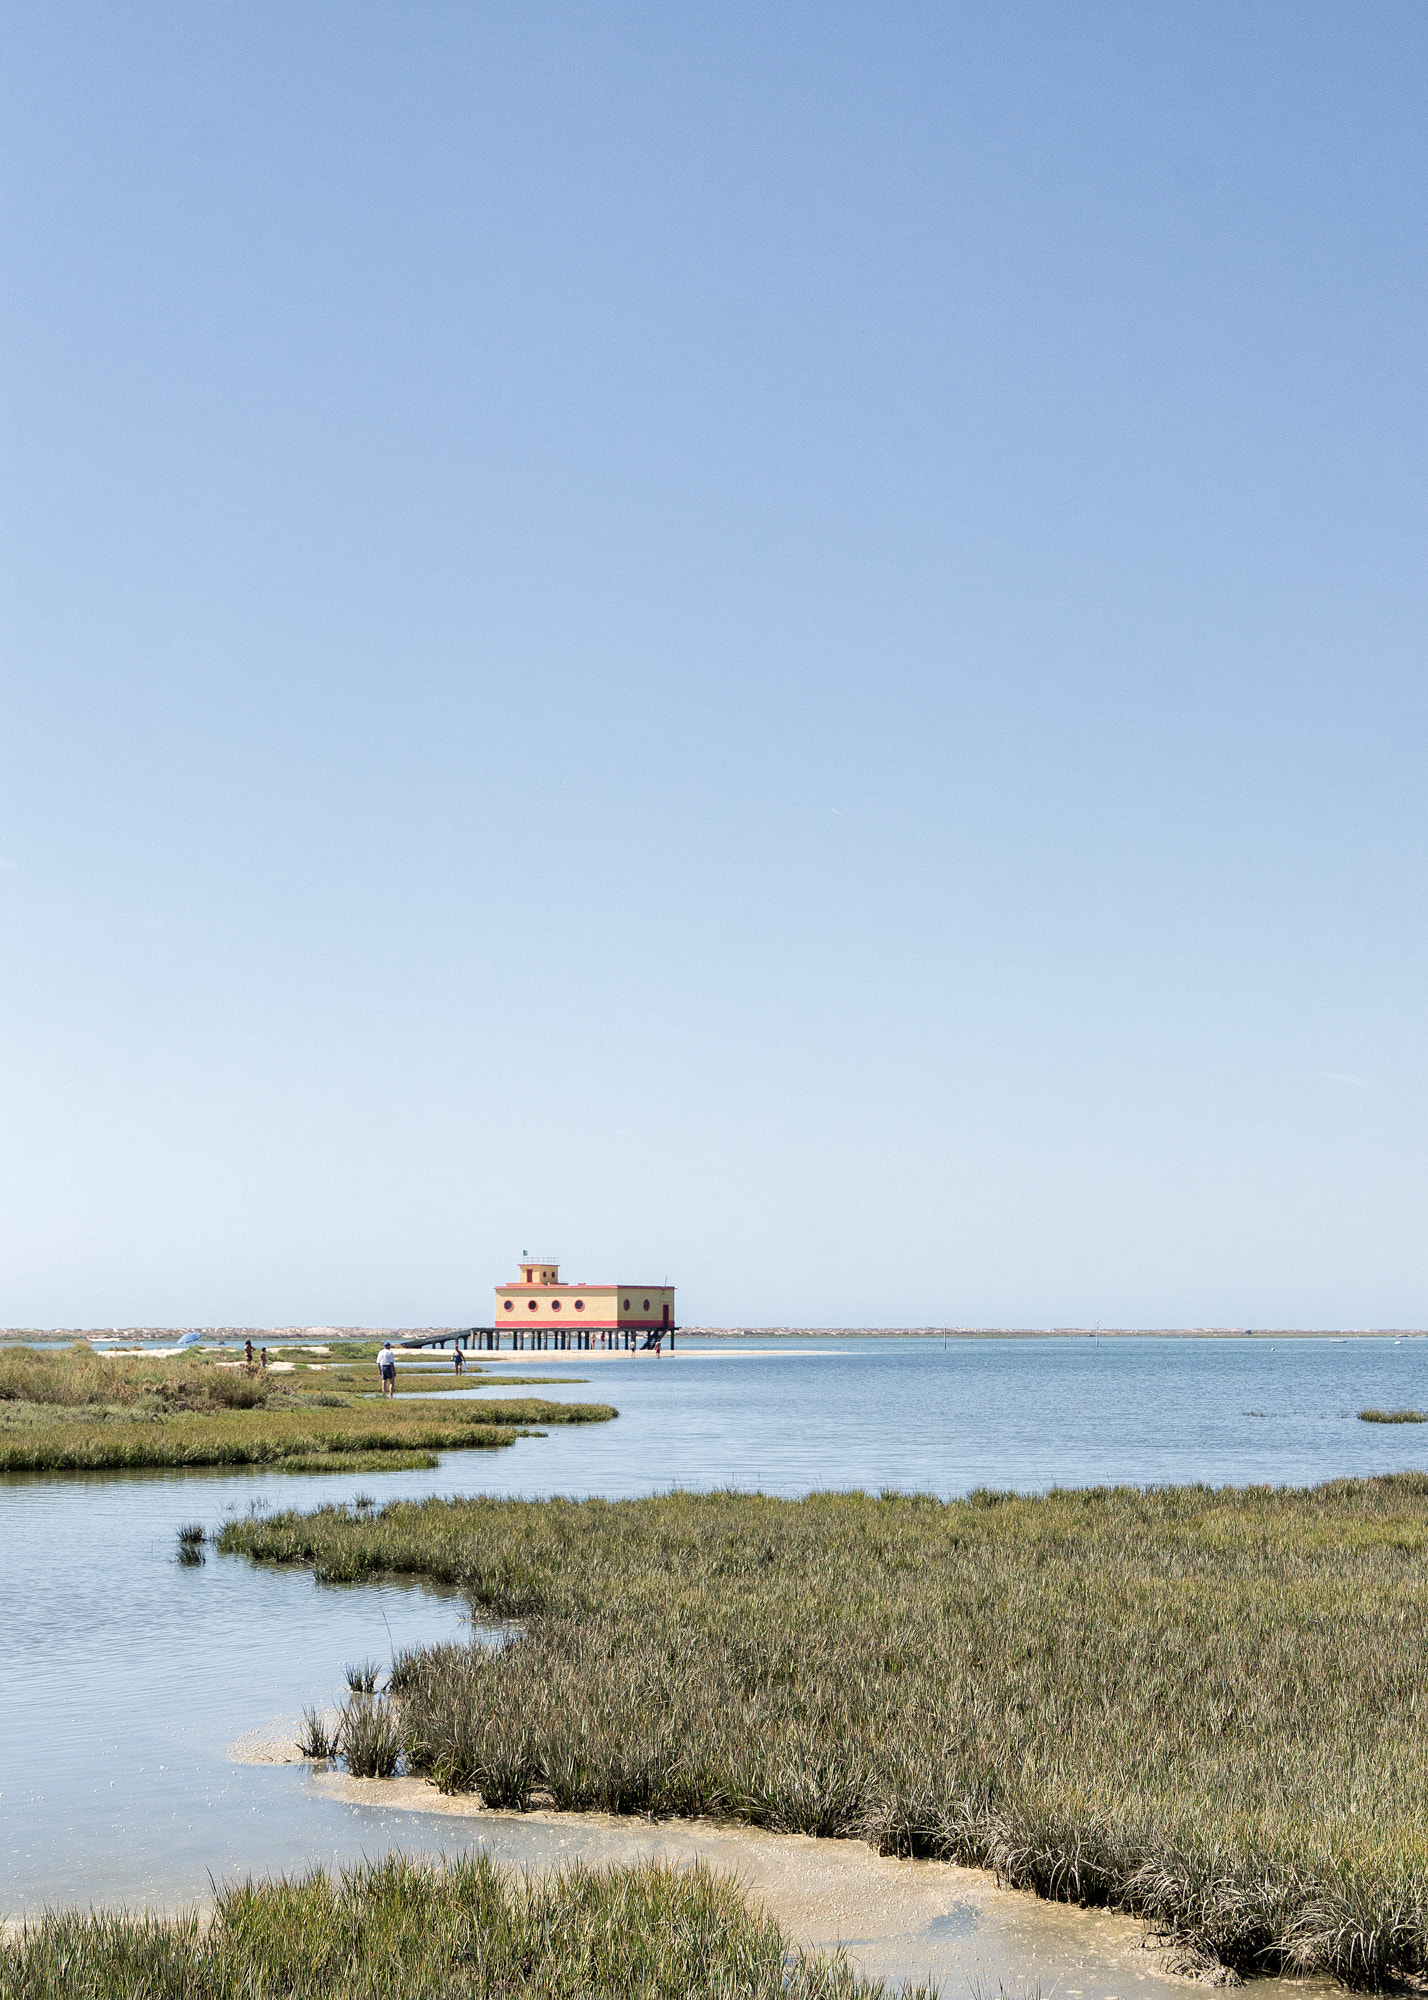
(128, 1678)
(792, 1416)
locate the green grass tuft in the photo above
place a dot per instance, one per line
(370, 1738)
(1393, 1417)
(400, 1929)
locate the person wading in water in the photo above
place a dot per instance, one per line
(387, 1369)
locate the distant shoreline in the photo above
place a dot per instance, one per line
(1056, 1332)
(293, 1335)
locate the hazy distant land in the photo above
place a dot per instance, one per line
(276, 1335)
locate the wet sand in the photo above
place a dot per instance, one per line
(896, 1919)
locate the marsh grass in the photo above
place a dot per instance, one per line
(1207, 1708)
(401, 1929)
(1393, 1417)
(76, 1377)
(77, 1411)
(361, 1676)
(320, 1440)
(370, 1461)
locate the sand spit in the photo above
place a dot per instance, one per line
(276, 1742)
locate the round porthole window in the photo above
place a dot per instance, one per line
(510, 1305)
(646, 1305)
(555, 1305)
(580, 1305)
(627, 1305)
(530, 1305)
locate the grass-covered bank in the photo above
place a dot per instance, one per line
(408, 1930)
(80, 1411)
(1210, 1708)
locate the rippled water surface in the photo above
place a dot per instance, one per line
(801, 1414)
(127, 1678)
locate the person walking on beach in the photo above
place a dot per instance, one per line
(387, 1369)
(459, 1363)
(263, 1359)
(248, 1353)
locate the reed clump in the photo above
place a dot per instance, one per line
(318, 1738)
(1204, 1707)
(190, 1545)
(1393, 1417)
(369, 1737)
(402, 1929)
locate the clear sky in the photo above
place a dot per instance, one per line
(778, 646)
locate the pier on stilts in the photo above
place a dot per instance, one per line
(542, 1340)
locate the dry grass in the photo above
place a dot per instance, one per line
(77, 1378)
(1208, 1708)
(411, 1930)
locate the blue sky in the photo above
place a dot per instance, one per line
(775, 646)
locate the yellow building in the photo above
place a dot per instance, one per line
(538, 1302)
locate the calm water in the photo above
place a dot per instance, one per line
(127, 1679)
(1011, 1413)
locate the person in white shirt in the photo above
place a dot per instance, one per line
(387, 1369)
